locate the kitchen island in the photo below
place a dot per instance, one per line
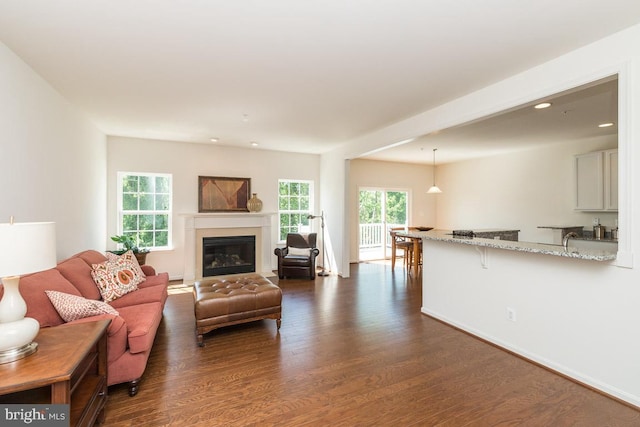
(539, 301)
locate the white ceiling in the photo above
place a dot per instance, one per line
(290, 75)
(574, 115)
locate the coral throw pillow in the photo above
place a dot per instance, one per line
(72, 307)
(115, 278)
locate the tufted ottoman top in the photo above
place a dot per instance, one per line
(234, 298)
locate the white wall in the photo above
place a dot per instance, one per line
(413, 178)
(53, 160)
(578, 317)
(187, 161)
(521, 191)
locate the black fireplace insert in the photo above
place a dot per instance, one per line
(228, 255)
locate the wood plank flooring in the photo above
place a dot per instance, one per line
(351, 352)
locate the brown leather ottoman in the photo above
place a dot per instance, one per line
(237, 299)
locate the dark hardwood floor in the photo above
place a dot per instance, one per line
(351, 352)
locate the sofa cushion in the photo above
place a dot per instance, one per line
(32, 289)
(144, 295)
(142, 322)
(158, 279)
(115, 278)
(91, 257)
(72, 307)
(78, 272)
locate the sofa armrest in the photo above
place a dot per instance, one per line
(148, 270)
(116, 334)
(116, 322)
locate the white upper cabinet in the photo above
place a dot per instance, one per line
(611, 180)
(597, 181)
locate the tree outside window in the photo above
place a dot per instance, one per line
(295, 202)
(144, 208)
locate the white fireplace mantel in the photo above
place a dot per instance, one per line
(198, 223)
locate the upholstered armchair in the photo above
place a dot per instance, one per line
(298, 258)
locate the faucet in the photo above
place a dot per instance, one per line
(565, 239)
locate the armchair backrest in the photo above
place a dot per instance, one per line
(301, 240)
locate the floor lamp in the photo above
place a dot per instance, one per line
(24, 248)
(323, 272)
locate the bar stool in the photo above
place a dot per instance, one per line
(403, 244)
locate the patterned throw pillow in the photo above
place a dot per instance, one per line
(128, 257)
(72, 307)
(116, 278)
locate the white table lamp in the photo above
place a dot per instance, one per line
(24, 248)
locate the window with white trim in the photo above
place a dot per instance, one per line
(144, 208)
(295, 202)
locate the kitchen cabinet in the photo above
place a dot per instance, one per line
(611, 180)
(596, 179)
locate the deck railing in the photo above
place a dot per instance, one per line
(375, 235)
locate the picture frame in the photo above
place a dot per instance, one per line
(223, 194)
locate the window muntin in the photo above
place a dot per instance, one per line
(144, 208)
(295, 202)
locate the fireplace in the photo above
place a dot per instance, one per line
(226, 224)
(228, 255)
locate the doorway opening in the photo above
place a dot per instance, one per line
(379, 210)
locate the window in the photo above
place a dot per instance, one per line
(295, 202)
(144, 208)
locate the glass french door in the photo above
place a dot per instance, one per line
(379, 210)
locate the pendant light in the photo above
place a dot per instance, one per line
(434, 188)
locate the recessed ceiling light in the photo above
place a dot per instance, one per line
(254, 144)
(542, 105)
(605, 125)
(214, 139)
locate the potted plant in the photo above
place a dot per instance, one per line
(129, 244)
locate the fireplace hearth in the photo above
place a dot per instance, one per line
(228, 255)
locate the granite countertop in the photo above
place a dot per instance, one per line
(537, 248)
(561, 227)
(492, 230)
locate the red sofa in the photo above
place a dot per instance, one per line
(131, 332)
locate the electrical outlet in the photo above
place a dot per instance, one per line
(511, 314)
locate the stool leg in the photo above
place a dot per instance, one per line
(408, 254)
(393, 258)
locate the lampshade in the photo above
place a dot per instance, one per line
(27, 248)
(434, 190)
(24, 248)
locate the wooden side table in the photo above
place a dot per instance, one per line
(70, 367)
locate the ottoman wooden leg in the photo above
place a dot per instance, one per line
(278, 323)
(200, 339)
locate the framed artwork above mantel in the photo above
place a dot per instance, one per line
(223, 194)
